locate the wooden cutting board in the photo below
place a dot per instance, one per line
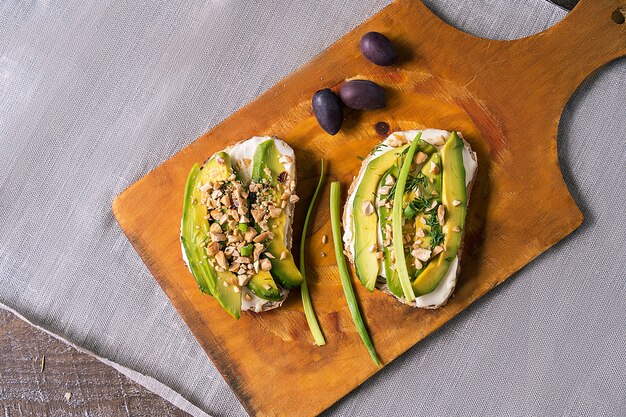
(505, 96)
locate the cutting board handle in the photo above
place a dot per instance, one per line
(560, 57)
(591, 34)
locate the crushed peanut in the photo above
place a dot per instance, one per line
(441, 214)
(367, 207)
(420, 157)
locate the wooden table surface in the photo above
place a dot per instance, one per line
(71, 383)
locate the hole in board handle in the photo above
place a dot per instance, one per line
(618, 15)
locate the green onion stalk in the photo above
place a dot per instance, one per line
(335, 221)
(309, 313)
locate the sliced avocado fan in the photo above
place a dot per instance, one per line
(267, 167)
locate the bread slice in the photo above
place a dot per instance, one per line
(241, 154)
(442, 293)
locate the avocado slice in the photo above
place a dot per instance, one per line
(284, 270)
(384, 213)
(365, 226)
(194, 232)
(453, 188)
(263, 285)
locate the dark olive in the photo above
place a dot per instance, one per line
(363, 95)
(328, 110)
(379, 49)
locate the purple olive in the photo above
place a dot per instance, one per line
(363, 95)
(379, 49)
(328, 110)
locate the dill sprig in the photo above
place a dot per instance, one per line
(418, 205)
(412, 184)
(436, 232)
(377, 148)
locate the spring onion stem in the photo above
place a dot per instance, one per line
(314, 325)
(335, 194)
(398, 241)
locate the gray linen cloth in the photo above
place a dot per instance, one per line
(94, 94)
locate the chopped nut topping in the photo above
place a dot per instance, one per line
(420, 157)
(236, 289)
(283, 255)
(423, 221)
(263, 237)
(247, 297)
(379, 255)
(373, 247)
(396, 140)
(215, 228)
(439, 141)
(250, 234)
(441, 214)
(257, 214)
(212, 248)
(217, 237)
(434, 168)
(324, 239)
(275, 212)
(437, 250)
(221, 259)
(293, 199)
(390, 180)
(456, 203)
(421, 254)
(243, 280)
(418, 264)
(267, 171)
(384, 190)
(266, 265)
(420, 232)
(456, 229)
(269, 255)
(285, 159)
(247, 162)
(367, 208)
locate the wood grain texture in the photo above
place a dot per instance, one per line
(96, 389)
(505, 96)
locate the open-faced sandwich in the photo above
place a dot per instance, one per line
(236, 226)
(404, 219)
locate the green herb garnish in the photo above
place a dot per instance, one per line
(346, 283)
(418, 205)
(412, 183)
(377, 148)
(309, 313)
(247, 250)
(436, 232)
